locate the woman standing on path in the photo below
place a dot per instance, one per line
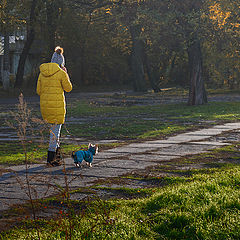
(52, 82)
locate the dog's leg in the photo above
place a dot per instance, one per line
(78, 165)
(89, 164)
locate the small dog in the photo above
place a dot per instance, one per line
(81, 155)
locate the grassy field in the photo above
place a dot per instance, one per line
(124, 123)
(189, 204)
(205, 205)
(134, 122)
(35, 153)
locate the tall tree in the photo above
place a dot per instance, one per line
(188, 15)
(129, 17)
(223, 43)
(197, 92)
(137, 59)
(6, 63)
(53, 11)
(31, 22)
(6, 21)
(92, 32)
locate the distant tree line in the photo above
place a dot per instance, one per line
(145, 43)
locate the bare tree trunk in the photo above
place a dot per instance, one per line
(137, 59)
(83, 52)
(197, 92)
(152, 78)
(6, 63)
(52, 18)
(27, 46)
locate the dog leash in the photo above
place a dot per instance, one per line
(74, 138)
(70, 134)
(64, 125)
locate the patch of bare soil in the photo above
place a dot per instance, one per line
(2, 170)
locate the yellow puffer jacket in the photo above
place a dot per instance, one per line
(52, 82)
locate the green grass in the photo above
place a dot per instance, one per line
(211, 111)
(133, 122)
(35, 152)
(205, 207)
(15, 153)
(130, 123)
(204, 204)
(224, 91)
(125, 129)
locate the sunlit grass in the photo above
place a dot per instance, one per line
(206, 206)
(134, 122)
(126, 129)
(130, 123)
(166, 130)
(210, 111)
(35, 152)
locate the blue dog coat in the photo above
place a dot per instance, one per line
(81, 155)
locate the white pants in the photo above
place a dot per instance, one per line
(54, 137)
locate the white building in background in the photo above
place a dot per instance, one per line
(16, 43)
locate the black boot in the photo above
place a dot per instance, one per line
(58, 156)
(51, 158)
